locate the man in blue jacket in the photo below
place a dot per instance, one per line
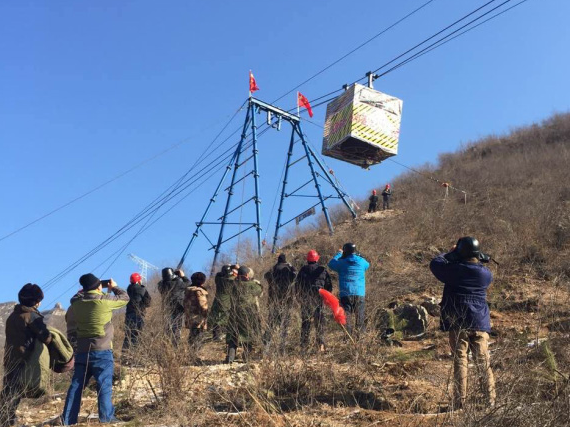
(465, 313)
(351, 269)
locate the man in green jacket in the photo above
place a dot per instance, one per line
(23, 327)
(244, 321)
(93, 312)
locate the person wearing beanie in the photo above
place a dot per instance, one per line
(310, 279)
(244, 320)
(196, 310)
(279, 280)
(172, 289)
(93, 314)
(139, 301)
(24, 326)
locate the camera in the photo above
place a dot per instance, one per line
(105, 283)
(484, 258)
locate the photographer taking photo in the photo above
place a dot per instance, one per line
(465, 313)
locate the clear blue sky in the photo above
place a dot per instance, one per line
(89, 89)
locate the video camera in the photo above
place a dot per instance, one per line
(454, 257)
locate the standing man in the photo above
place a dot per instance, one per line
(386, 196)
(373, 205)
(93, 314)
(465, 313)
(351, 269)
(223, 280)
(310, 279)
(279, 279)
(139, 301)
(196, 309)
(244, 321)
(24, 325)
(172, 289)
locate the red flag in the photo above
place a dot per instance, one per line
(302, 101)
(252, 84)
(332, 301)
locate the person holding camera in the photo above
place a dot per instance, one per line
(351, 269)
(465, 313)
(93, 313)
(172, 289)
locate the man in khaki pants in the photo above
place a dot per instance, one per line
(465, 313)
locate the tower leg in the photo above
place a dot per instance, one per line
(314, 175)
(231, 188)
(280, 210)
(256, 180)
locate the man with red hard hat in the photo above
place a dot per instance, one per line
(373, 205)
(310, 279)
(136, 308)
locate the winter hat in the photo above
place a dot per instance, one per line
(89, 281)
(243, 271)
(30, 295)
(198, 278)
(282, 258)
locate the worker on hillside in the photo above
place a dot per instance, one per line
(373, 205)
(196, 309)
(93, 314)
(351, 269)
(386, 196)
(172, 289)
(224, 280)
(139, 301)
(24, 325)
(310, 279)
(279, 280)
(244, 322)
(465, 313)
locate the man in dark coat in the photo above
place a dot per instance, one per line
(279, 280)
(172, 289)
(465, 313)
(23, 327)
(310, 279)
(386, 196)
(373, 205)
(134, 318)
(244, 321)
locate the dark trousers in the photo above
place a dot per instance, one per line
(133, 327)
(174, 327)
(312, 312)
(232, 350)
(386, 203)
(11, 395)
(372, 207)
(195, 338)
(279, 319)
(353, 306)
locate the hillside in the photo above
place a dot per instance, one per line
(518, 205)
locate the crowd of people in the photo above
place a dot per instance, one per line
(235, 312)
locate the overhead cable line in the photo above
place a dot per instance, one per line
(145, 214)
(360, 46)
(115, 178)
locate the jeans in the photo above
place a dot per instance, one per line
(12, 391)
(461, 341)
(313, 312)
(133, 328)
(98, 364)
(353, 305)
